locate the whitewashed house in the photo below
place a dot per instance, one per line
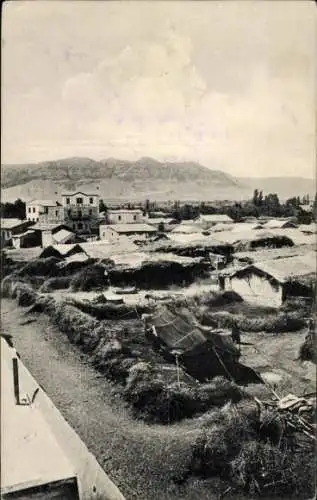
(113, 232)
(208, 221)
(124, 216)
(270, 282)
(45, 211)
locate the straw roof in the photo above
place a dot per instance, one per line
(103, 249)
(215, 218)
(279, 224)
(186, 229)
(132, 228)
(273, 253)
(284, 269)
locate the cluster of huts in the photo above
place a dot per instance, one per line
(129, 235)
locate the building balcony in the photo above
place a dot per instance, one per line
(82, 217)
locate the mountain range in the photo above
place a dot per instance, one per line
(143, 179)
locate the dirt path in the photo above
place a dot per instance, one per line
(142, 460)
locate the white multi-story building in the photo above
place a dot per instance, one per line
(81, 211)
(44, 211)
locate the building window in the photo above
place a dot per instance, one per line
(134, 217)
(67, 201)
(33, 209)
(56, 213)
(91, 200)
(80, 226)
(46, 210)
(80, 214)
(8, 234)
(119, 217)
(79, 201)
(29, 210)
(90, 211)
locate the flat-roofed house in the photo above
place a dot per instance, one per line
(81, 211)
(44, 211)
(112, 232)
(207, 221)
(124, 216)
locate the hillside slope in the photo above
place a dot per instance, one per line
(119, 179)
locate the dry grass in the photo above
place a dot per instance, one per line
(108, 310)
(161, 274)
(90, 278)
(270, 323)
(40, 267)
(57, 283)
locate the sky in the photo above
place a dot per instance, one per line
(229, 84)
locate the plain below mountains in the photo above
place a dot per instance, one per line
(144, 179)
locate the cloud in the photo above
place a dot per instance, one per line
(227, 84)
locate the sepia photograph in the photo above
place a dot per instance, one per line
(158, 250)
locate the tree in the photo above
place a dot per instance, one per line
(14, 210)
(102, 206)
(255, 197)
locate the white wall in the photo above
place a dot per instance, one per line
(47, 239)
(124, 216)
(257, 290)
(33, 212)
(106, 233)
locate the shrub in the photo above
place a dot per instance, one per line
(158, 400)
(7, 285)
(40, 267)
(223, 433)
(25, 295)
(80, 328)
(57, 283)
(108, 310)
(43, 304)
(271, 323)
(90, 278)
(261, 468)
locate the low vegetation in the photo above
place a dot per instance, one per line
(237, 442)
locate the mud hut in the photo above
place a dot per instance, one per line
(271, 282)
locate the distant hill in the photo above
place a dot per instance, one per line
(146, 178)
(285, 187)
(119, 179)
